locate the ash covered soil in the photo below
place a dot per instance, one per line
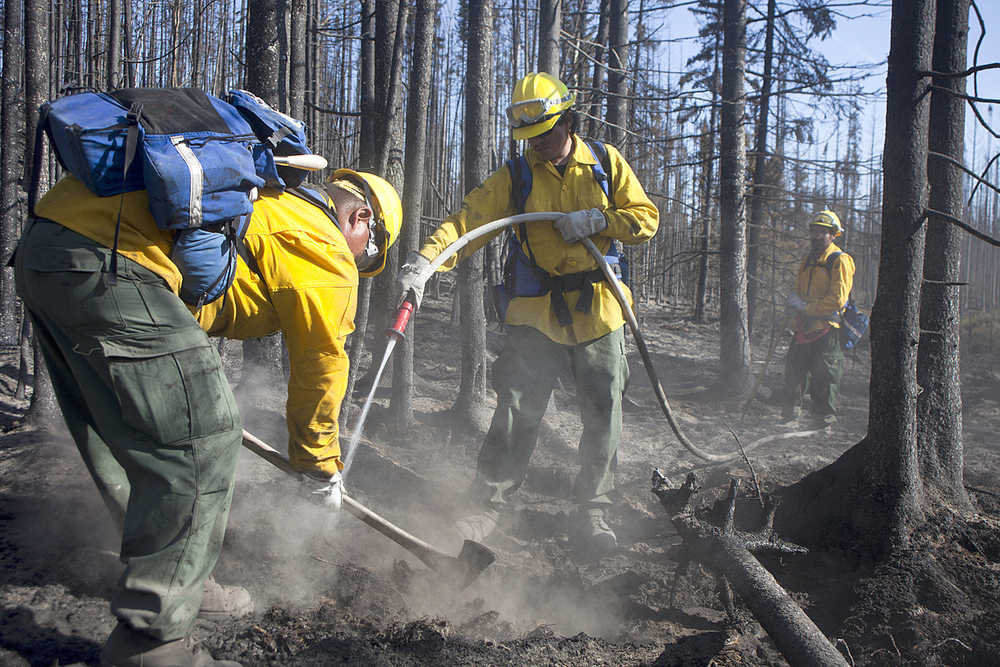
(327, 589)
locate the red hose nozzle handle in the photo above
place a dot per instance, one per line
(402, 318)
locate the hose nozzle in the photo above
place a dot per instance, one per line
(402, 319)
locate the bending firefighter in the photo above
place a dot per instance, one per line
(143, 391)
(560, 308)
(815, 357)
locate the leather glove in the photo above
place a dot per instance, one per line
(332, 493)
(795, 302)
(578, 225)
(408, 280)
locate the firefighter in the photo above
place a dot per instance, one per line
(815, 357)
(143, 391)
(561, 309)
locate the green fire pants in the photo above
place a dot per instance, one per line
(817, 366)
(144, 396)
(523, 376)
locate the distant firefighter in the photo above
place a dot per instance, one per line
(816, 356)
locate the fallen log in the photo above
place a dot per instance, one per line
(729, 554)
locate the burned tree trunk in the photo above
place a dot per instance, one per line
(12, 132)
(872, 495)
(263, 357)
(734, 339)
(939, 405)
(413, 187)
(478, 123)
(729, 553)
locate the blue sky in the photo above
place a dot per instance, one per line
(862, 36)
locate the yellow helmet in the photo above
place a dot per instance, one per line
(384, 202)
(536, 104)
(827, 218)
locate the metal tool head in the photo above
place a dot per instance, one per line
(475, 558)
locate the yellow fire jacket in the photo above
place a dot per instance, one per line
(824, 289)
(632, 219)
(309, 293)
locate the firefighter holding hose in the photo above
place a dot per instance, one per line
(559, 308)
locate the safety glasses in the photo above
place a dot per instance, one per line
(529, 112)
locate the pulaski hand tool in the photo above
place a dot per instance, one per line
(462, 569)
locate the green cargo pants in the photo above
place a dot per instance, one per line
(816, 366)
(523, 376)
(144, 396)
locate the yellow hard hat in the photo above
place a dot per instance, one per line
(384, 201)
(827, 218)
(536, 104)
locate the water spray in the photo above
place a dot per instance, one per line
(395, 334)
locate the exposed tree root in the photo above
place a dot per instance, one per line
(728, 552)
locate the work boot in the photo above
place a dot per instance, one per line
(596, 532)
(477, 527)
(220, 601)
(127, 648)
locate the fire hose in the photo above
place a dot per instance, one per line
(619, 293)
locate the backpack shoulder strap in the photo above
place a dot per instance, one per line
(602, 169)
(520, 182)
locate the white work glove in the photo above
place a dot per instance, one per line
(578, 225)
(408, 280)
(795, 302)
(332, 493)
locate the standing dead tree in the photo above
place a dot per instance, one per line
(11, 154)
(413, 187)
(734, 338)
(478, 137)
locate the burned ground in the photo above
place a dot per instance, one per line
(327, 589)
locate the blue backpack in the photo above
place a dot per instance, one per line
(853, 322)
(201, 160)
(521, 274)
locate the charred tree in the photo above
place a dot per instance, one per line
(478, 139)
(263, 60)
(734, 339)
(759, 170)
(43, 411)
(413, 188)
(706, 185)
(617, 71)
(731, 554)
(939, 405)
(390, 37)
(297, 17)
(263, 358)
(549, 27)
(872, 496)
(597, 79)
(114, 55)
(367, 158)
(12, 131)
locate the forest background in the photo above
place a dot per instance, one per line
(738, 130)
(648, 78)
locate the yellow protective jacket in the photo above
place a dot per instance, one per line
(309, 293)
(632, 219)
(825, 289)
